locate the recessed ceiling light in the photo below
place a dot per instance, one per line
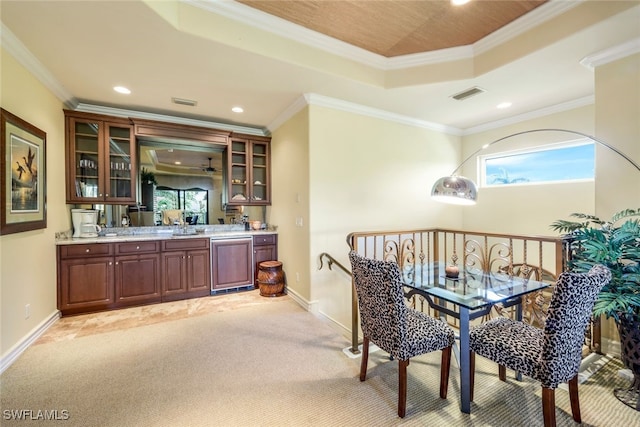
(237, 109)
(122, 89)
(459, 2)
(177, 163)
(503, 105)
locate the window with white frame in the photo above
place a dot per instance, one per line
(568, 161)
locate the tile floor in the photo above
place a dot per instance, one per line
(68, 328)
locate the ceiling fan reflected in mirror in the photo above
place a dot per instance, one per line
(209, 169)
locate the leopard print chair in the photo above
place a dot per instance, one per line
(389, 323)
(551, 355)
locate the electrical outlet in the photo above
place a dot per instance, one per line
(299, 221)
(297, 276)
(27, 311)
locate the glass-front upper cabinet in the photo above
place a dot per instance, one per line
(259, 172)
(101, 160)
(248, 174)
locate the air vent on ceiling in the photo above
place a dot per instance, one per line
(467, 93)
(183, 101)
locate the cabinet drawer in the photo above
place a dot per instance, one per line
(264, 239)
(92, 249)
(137, 247)
(181, 244)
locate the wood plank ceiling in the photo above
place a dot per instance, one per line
(399, 27)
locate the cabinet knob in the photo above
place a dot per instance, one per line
(117, 262)
(87, 250)
(110, 262)
(137, 247)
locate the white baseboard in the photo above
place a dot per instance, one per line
(14, 352)
(311, 306)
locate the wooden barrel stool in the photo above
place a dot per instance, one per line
(271, 279)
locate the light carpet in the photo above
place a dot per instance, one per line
(264, 363)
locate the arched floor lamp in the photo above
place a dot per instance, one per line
(463, 191)
(460, 190)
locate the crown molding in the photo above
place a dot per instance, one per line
(123, 112)
(558, 108)
(350, 107)
(263, 21)
(19, 51)
(611, 54)
(526, 22)
(288, 112)
(273, 24)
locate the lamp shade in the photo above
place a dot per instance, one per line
(456, 190)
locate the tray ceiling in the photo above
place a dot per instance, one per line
(394, 28)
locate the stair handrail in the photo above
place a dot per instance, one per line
(354, 302)
(330, 261)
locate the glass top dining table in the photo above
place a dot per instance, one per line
(469, 296)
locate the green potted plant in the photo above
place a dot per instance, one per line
(616, 244)
(148, 177)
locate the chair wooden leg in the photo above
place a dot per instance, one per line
(502, 373)
(549, 407)
(365, 359)
(445, 364)
(575, 402)
(402, 387)
(472, 369)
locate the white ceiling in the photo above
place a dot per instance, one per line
(204, 50)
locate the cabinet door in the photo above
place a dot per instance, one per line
(231, 263)
(86, 284)
(238, 172)
(174, 274)
(260, 174)
(248, 172)
(85, 178)
(198, 273)
(262, 253)
(137, 279)
(101, 160)
(120, 163)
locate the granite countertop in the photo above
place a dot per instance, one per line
(136, 234)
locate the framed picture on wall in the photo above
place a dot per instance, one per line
(22, 175)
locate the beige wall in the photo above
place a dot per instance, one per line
(617, 123)
(368, 174)
(527, 209)
(290, 201)
(27, 260)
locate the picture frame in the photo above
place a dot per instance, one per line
(23, 179)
